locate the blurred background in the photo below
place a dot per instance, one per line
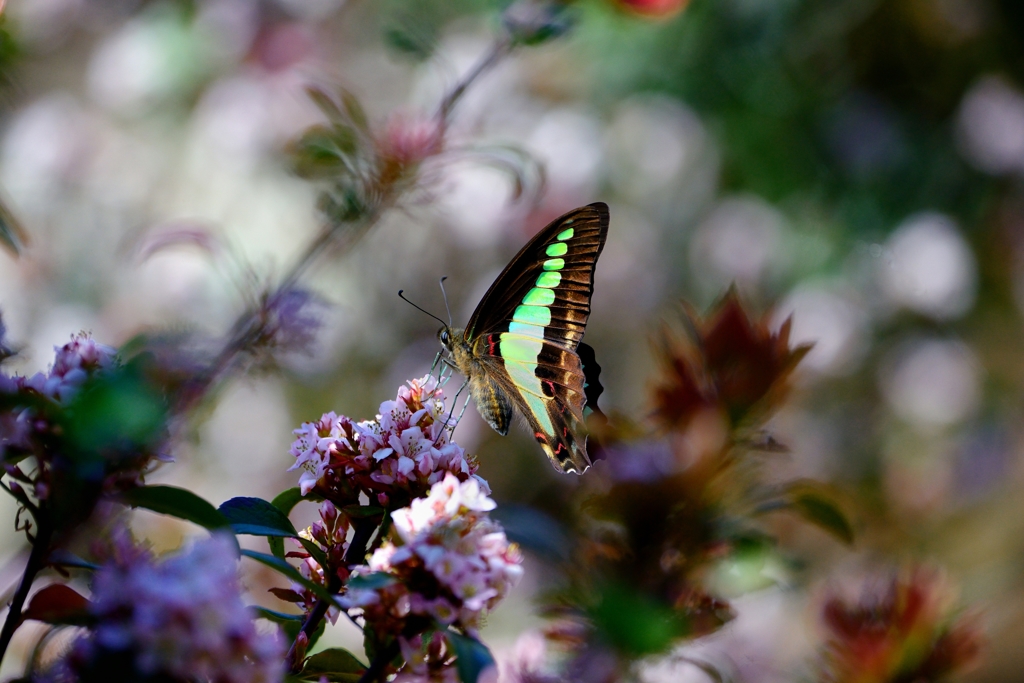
(856, 164)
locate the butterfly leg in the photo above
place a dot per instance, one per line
(462, 412)
(448, 422)
(442, 379)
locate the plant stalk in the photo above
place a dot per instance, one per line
(36, 562)
(356, 553)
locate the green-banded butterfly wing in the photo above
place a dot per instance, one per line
(525, 331)
(560, 258)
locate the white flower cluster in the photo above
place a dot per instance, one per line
(183, 617)
(406, 447)
(458, 559)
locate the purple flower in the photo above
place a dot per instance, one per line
(181, 618)
(292, 318)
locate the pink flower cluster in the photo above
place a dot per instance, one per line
(404, 451)
(453, 563)
(72, 365)
(329, 534)
(180, 619)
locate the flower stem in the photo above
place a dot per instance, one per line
(355, 554)
(36, 562)
(380, 662)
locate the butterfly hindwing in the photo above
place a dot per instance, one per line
(525, 331)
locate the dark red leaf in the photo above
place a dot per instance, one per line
(58, 604)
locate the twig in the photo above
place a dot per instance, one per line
(356, 553)
(380, 662)
(36, 562)
(499, 49)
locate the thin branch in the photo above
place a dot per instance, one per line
(36, 562)
(356, 554)
(380, 662)
(500, 48)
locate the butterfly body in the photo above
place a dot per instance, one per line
(518, 351)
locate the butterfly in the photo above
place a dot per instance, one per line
(519, 350)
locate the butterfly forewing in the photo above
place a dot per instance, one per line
(569, 266)
(525, 331)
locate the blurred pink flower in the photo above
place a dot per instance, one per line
(408, 140)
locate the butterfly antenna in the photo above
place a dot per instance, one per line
(445, 295)
(420, 308)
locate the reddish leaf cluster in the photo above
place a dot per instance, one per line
(908, 632)
(732, 365)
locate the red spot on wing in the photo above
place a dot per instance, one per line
(551, 387)
(540, 437)
(490, 344)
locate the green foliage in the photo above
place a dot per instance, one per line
(256, 517)
(285, 502)
(119, 412)
(175, 502)
(473, 657)
(635, 623)
(336, 664)
(291, 573)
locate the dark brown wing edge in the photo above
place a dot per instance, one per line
(572, 306)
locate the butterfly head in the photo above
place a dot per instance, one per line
(444, 335)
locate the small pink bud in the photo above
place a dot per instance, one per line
(328, 513)
(408, 140)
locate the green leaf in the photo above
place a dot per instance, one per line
(12, 234)
(176, 502)
(290, 572)
(473, 657)
(285, 502)
(257, 517)
(634, 622)
(363, 511)
(278, 617)
(325, 103)
(315, 551)
(355, 111)
(816, 503)
(371, 581)
(825, 514)
(288, 499)
(334, 663)
(64, 558)
(118, 411)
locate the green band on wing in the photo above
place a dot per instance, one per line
(533, 315)
(554, 264)
(520, 348)
(549, 280)
(565, 234)
(557, 249)
(539, 297)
